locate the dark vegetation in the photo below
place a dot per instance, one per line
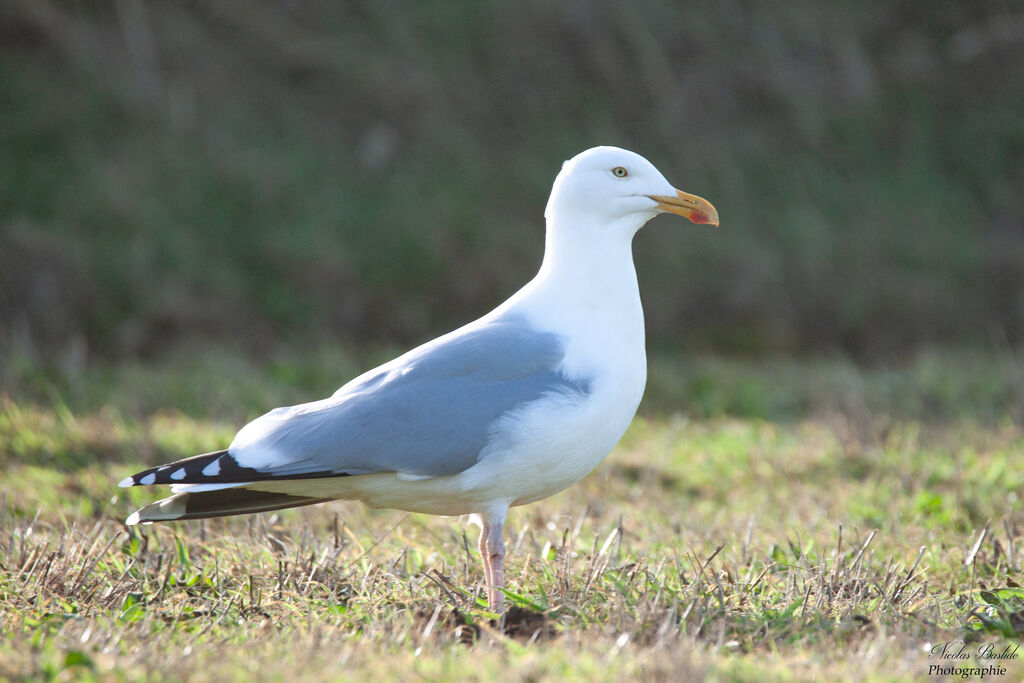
(263, 172)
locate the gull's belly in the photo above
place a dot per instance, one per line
(554, 443)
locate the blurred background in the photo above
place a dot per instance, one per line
(275, 174)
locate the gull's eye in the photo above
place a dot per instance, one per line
(620, 172)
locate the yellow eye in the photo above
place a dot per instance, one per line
(620, 172)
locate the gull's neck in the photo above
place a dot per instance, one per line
(591, 266)
(586, 287)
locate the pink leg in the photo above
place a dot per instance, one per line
(485, 557)
(492, 551)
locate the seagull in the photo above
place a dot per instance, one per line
(506, 410)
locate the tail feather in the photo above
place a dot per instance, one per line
(219, 503)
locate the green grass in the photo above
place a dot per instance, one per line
(754, 531)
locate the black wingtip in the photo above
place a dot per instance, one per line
(217, 467)
(186, 471)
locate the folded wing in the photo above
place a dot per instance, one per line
(428, 413)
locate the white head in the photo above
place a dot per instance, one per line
(613, 186)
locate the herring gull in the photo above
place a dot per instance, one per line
(504, 411)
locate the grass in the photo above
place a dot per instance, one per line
(757, 532)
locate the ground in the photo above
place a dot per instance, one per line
(762, 520)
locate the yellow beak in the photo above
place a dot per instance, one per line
(697, 209)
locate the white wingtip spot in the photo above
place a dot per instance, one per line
(213, 469)
(133, 519)
(148, 479)
(126, 482)
(178, 473)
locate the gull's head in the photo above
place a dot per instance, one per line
(613, 186)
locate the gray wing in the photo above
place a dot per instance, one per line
(429, 412)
